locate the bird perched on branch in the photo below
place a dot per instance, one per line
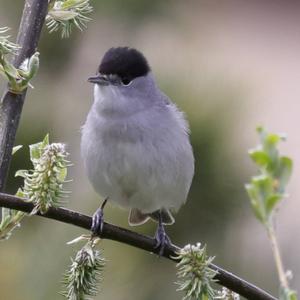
(135, 143)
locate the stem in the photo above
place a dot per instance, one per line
(112, 232)
(14, 221)
(276, 254)
(11, 105)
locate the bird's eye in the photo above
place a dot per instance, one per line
(126, 81)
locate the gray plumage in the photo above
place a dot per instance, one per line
(136, 149)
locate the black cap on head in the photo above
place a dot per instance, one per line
(127, 63)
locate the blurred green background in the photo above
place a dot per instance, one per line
(230, 65)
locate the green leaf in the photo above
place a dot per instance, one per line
(269, 142)
(11, 70)
(272, 139)
(258, 211)
(72, 3)
(271, 202)
(16, 148)
(45, 141)
(259, 191)
(284, 171)
(293, 296)
(10, 220)
(264, 186)
(33, 66)
(260, 157)
(29, 68)
(36, 149)
(255, 203)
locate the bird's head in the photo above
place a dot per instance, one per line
(124, 81)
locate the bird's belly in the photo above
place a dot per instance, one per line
(114, 171)
(130, 177)
(137, 169)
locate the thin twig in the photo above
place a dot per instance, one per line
(128, 237)
(277, 257)
(33, 17)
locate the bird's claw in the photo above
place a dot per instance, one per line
(162, 239)
(97, 222)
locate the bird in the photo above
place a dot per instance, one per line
(135, 144)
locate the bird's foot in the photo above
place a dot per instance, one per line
(162, 239)
(98, 220)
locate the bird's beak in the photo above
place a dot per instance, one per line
(99, 79)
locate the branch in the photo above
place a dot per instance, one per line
(33, 17)
(128, 237)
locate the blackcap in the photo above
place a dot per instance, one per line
(135, 143)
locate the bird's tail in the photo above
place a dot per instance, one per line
(136, 217)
